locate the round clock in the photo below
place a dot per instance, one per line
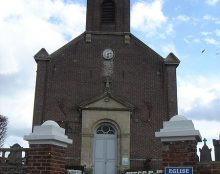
(108, 54)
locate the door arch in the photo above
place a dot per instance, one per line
(105, 149)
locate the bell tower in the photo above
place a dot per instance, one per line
(108, 16)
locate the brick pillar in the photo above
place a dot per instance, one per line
(179, 139)
(42, 58)
(216, 144)
(171, 63)
(179, 154)
(46, 158)
(47, 149)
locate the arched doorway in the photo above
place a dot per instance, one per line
(105, 149)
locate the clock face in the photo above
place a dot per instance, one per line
(108, 54)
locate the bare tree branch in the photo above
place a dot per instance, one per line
(3, 129)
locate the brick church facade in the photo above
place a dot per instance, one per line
(109, 90)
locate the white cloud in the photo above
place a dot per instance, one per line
(169, 47)
(206, 33)
(217, 32)
(199, 100)
(183, 18)
(211, 41)
(149, 18)
(26, 26)
(209, 130)
(8, 63)
(212, 2)
(196, 40)
(22, 104)
(206, 36)
(186, 40)
(212, 126)
(211, 18)
(194, 92)
(19, 110)
(208, 17)
(191, 40)
(15, 139)
(169, 29)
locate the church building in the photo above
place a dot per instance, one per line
(110, 92)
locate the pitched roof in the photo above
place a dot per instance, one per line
(41, 55)
(172, 59)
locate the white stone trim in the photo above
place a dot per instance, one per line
(48, 133)
(178, 129)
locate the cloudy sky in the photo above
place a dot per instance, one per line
(188, 28)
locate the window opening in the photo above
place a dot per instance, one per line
(108, 11)
(105, 129)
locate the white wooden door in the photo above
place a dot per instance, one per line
(105, 148)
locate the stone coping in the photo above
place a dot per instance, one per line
(179, 128)
(48, 133)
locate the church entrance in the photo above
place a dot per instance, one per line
(105, 135)
(105, 149)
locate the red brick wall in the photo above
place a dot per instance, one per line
(122, 17)
(140, 77)
(216, 144)
(208, 168)
(40, 92)
(46, 159)
(181, 153)
(172, 90)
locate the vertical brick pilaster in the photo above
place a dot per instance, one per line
(171, 63)
(171, 90)
(42, 59)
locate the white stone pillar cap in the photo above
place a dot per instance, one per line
(48, 133)
(179, 128)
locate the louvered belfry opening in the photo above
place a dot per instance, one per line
(108, 12)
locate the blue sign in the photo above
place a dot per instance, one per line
(178, 170)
